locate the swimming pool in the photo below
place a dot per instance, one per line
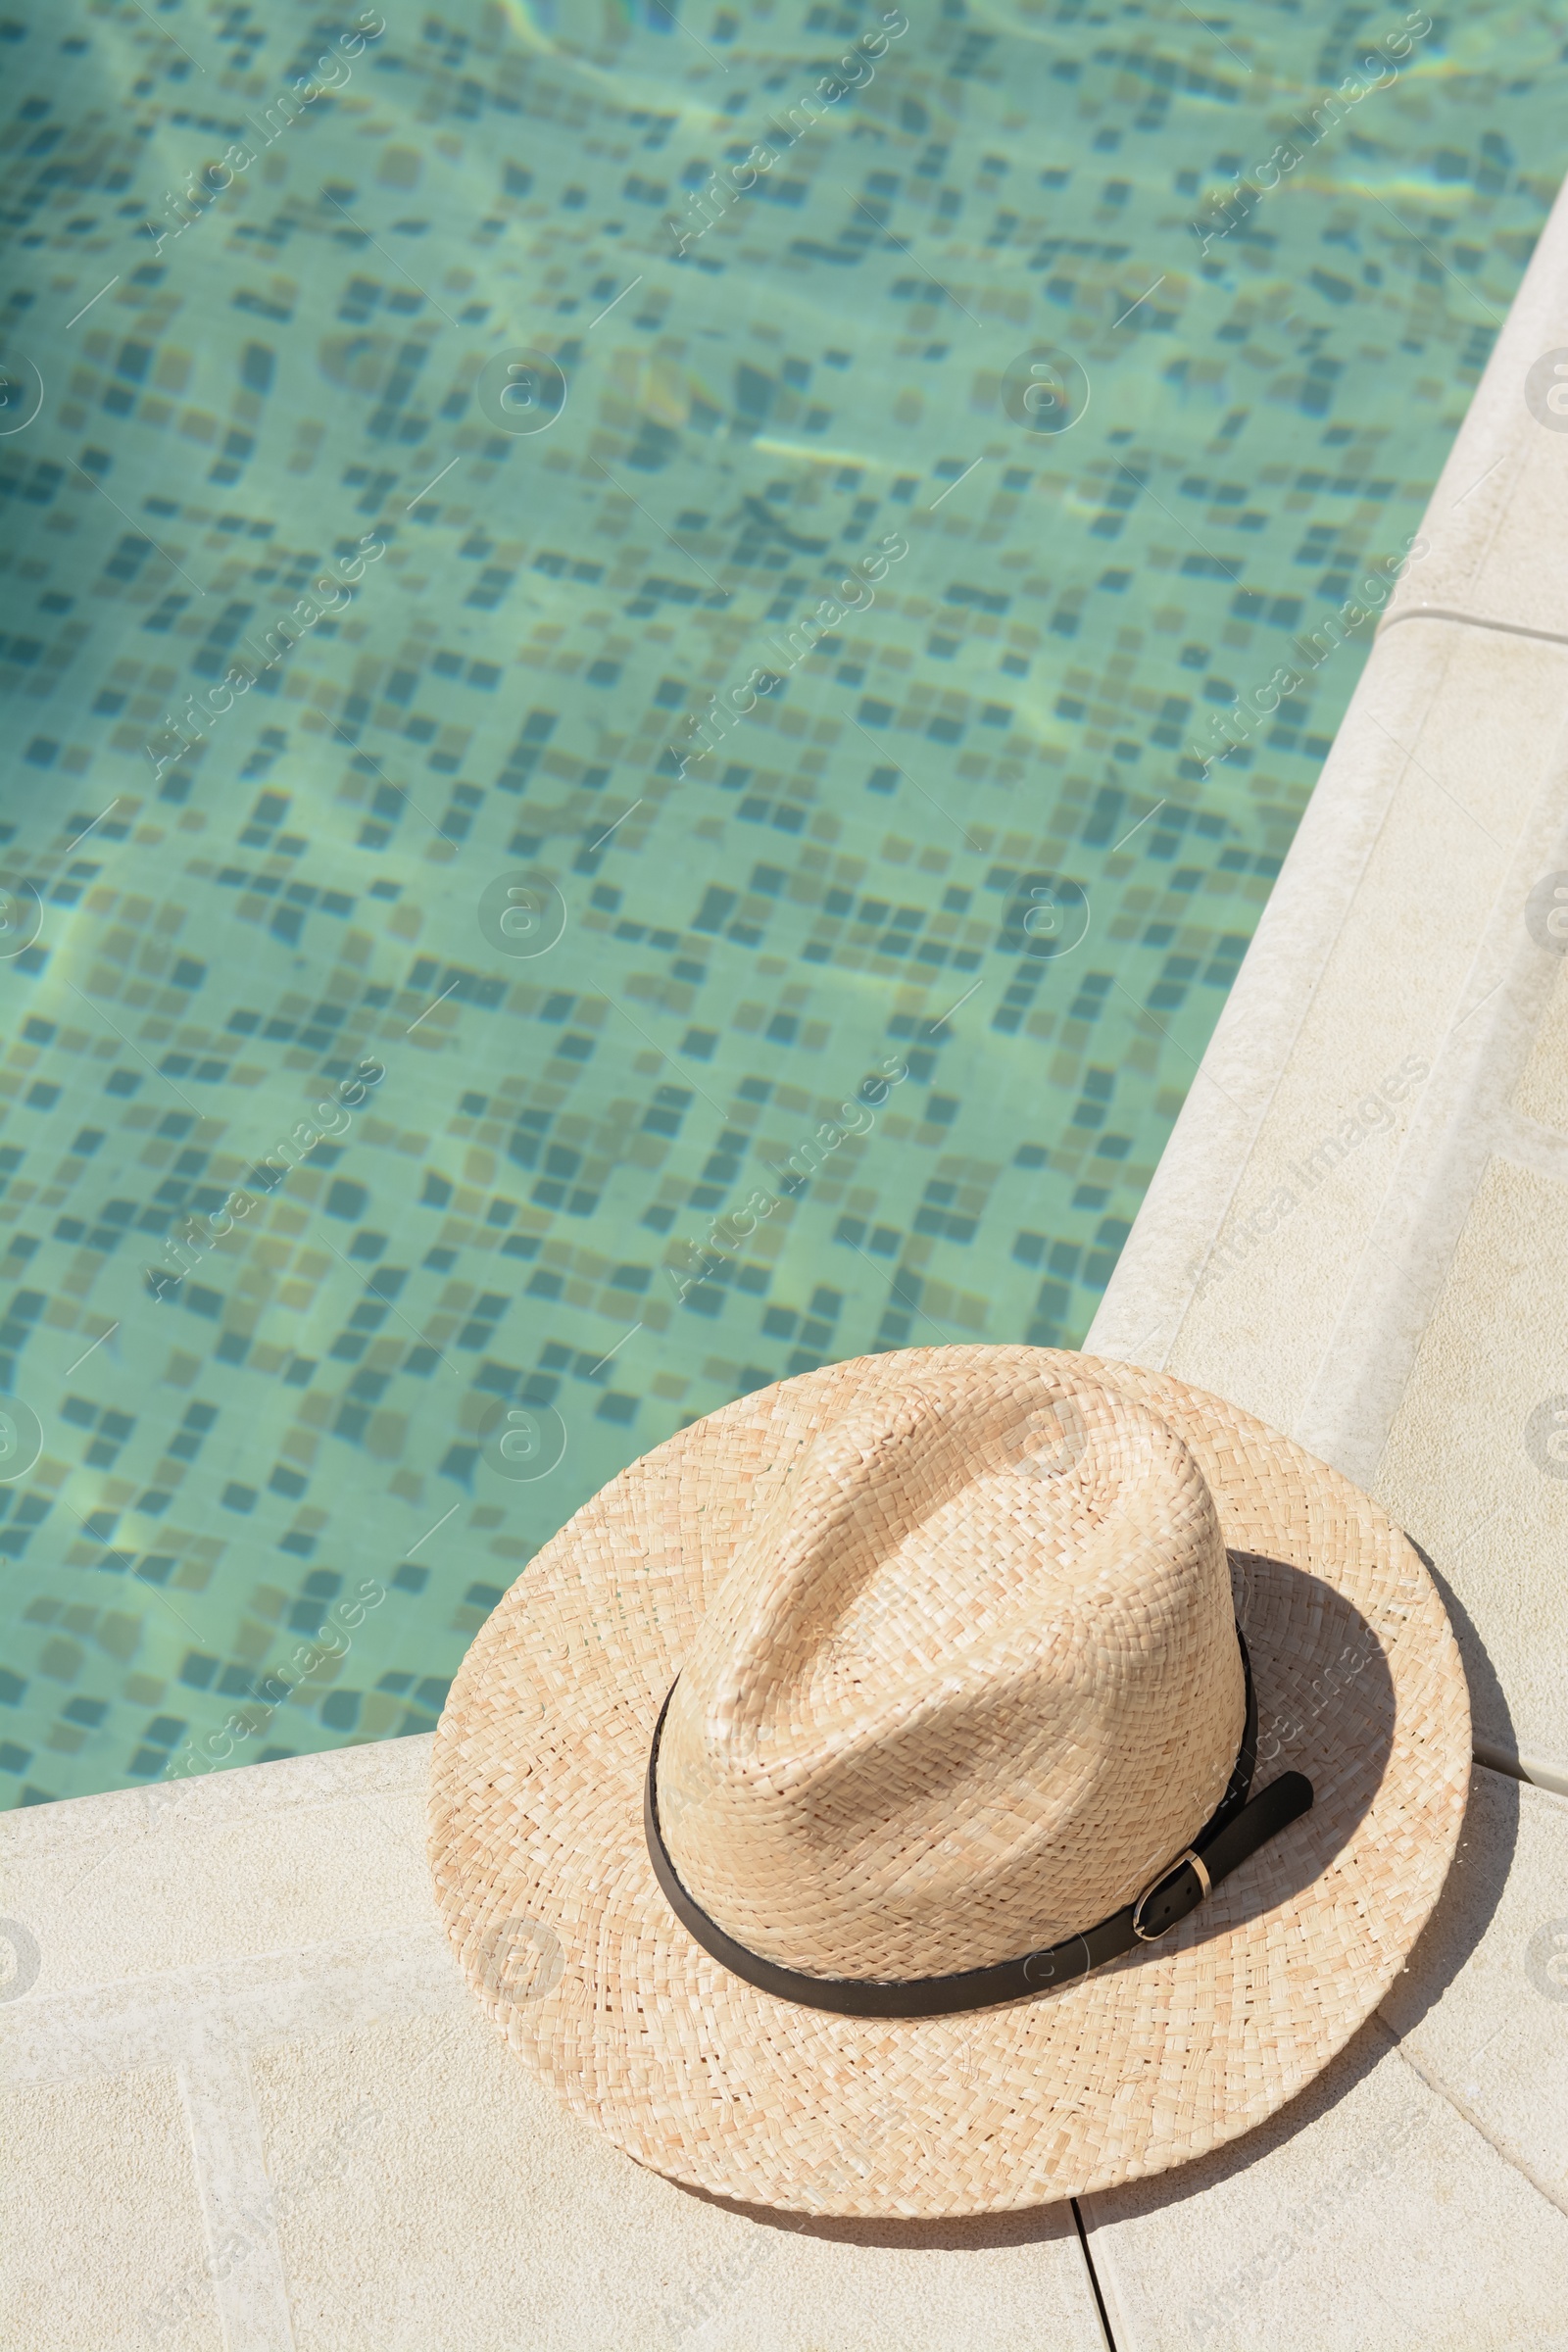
(619, 626)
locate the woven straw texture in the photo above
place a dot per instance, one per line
(956, 1625)
(968, 1686)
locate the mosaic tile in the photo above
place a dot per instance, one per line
(431, 1075)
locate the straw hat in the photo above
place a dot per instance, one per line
(1054, 1765)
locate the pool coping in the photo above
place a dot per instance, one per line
(1292, 1052)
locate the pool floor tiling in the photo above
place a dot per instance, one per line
(612, 779)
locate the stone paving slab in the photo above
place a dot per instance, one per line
(1370, 2217)
(372, 2170)
(1470, 1465)
(568, 2247)
(1439, 795)
(1482, 2012)
(1416, 2198)
(1357, 1230)
(102, 2201)
(1497, 524)
(162, 1875)
(275, 2064)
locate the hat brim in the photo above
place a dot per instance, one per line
(536, 1842)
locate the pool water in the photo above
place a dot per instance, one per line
(446, 1050)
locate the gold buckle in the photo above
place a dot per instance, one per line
(1155, 1886)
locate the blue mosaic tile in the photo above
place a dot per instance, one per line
(658, 659)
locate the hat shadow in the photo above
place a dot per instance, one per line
(1496, 1743)
(1359, 1708)
(1349, 1703)
(1335, 1724)
(1460, 1920)
(970, 2233)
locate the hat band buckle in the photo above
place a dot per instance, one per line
(1188, 1858)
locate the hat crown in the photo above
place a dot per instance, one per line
(970, 1683)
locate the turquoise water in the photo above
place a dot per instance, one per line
(442, 1056)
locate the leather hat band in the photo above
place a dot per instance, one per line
(1234, 1831)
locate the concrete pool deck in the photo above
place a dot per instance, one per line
(250, 2103)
